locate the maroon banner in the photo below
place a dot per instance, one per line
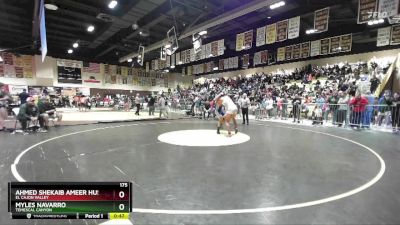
(282, 30)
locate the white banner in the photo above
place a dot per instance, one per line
(294, 27)
(168, 64)
(178, 58)
(315, 48)
(221, 47)
(203, 52)
(383, 37)
(226, 64)
(257, 58)
(260, 38)
(173, 60)
(208, 50)
(192, 55)
(388, 8)
(236, 62)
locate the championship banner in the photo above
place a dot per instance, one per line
(9, 71)
(288, 52)
(257, 58)
(346, 42)
(388, 8)
(172, 60)
(124, 71)
(296, 51)
(315, 48)
(208, 51)
(325, 44)
(187, 58)
(221, 64)
(226, 64)
(156, 64)
(260, 38)
(264, 57)
(305, 50)
(282, 30)
(192, 55)
(366, 10)
(183, 57)
(246, 61)
(321, 20)
(248, 39)
(221, 47)
(203, 52)
(395, 37)
(168, 63)
(214, 49)
(148, 66)
(177, 58)
(69, 71)
(271, 58)
(239, 42)
(270, 33)
(294, 27)
(335, 45)
(280, 55)
(190, 70)
(235, 62)
(231, 63)
(383, 37)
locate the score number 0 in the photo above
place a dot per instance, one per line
(121, 195)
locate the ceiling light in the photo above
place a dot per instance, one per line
(112, 4)
(277, 5)
(90, 28)
(139, 56)
(70, 51)
(172, 67)
(140, 32)
(374, 22)
(311, 31)
(1, 59)
(75, 45)
(215, 68)
(51, 7)
(129, 60)
(204, 32)
(268, 17)
(166, 70)
(168, 45)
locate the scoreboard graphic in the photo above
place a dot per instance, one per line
(77, 200)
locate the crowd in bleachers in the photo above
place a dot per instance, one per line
(336, 94)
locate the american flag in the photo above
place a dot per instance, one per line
(91, 67)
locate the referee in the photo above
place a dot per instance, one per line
(244, 104)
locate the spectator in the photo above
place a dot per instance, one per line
(396, 113)
(137, 103)
(4, 98)
(151, 106)
(27, 112)
(342, 110)
(374, 83)
(384, 107)
(333, 107)
(369, 111)
(358, 104)
(23, 96)
(47, 111)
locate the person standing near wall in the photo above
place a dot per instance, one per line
(162, 105)
(137, 103)
(4, 97)
(396, 113)
(244, 104)
(151, 106)
(23, 96)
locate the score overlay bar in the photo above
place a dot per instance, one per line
(77, 200)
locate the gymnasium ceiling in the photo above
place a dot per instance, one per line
(116, 38)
